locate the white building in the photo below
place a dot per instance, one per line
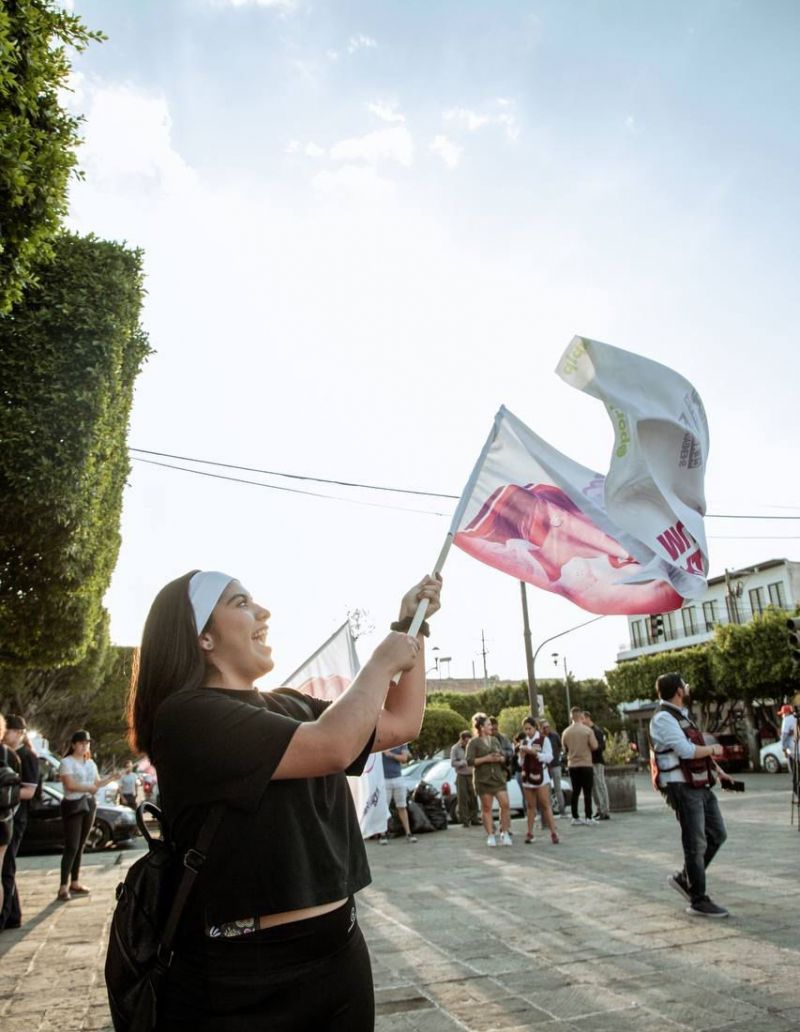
(732, 598)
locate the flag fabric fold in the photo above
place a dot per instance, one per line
(629, 542)
(325, 675)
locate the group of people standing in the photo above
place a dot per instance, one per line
(484, 760)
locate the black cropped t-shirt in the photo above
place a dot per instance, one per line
(282, 845)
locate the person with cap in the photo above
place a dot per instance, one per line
(466, 799)
(81, 781)
(272, 909)
(15, 740)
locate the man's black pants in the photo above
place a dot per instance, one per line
(11, 915)
(702, 832)
(582, 779)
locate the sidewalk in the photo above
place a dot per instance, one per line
(581, 936)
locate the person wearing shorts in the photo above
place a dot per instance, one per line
(396, 789)
(485, 755)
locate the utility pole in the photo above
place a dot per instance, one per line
(484, 653)
(533, 695)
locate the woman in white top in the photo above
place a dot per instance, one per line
(81, 781)
(535, 753)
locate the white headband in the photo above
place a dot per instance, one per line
(205, 589)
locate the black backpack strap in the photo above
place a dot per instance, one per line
(193, 860)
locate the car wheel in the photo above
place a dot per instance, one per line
(99, 837)
(772, 764)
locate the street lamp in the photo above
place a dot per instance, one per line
(566, 678)
(444, 659)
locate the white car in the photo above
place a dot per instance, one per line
(442, 776)
(773, 758)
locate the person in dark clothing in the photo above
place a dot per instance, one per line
(15, 739)
(555, 767)
(599, 787)
(272, 912)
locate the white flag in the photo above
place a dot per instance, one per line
(632, 542)
(325, 675)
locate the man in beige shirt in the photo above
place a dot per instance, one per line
(579, 741)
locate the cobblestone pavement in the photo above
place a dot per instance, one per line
(581, 936)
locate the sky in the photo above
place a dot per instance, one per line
(368, 225)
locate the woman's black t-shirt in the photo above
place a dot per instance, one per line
(282, 845)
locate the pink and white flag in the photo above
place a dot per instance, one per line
(325, 675)
(629, 542)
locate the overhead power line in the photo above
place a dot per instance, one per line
(355, 484)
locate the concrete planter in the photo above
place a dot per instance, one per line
(621, 783)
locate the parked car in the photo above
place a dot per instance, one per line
(48, 770)
(773, 758)
(734, 753)
(45, 831)
(441, 775)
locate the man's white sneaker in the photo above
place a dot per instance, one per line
(576, 822)
(505, 839)
(491, 841)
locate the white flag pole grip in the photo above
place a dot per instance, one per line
(422, 608)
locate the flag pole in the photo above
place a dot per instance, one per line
(533, 694)
(463, 501)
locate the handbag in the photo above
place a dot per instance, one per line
(75, 807)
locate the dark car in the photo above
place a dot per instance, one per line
(45, 831)
(734, 753)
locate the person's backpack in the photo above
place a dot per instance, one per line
(149, 906)
(10, 782)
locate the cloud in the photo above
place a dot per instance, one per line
(386, 112)
(361, 42)
(501, 113)
(449, 152)
(360, 181)
(128, 136)
(396, 144)
(284, 5)
(313, 150)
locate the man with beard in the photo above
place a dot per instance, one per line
(684, 773)
(14, 738)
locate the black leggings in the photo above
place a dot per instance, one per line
(582, 779)
(75, 831)
(308, 975)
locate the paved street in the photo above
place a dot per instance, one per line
(581, 936)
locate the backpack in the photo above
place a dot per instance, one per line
(149, 905)
(10, 782)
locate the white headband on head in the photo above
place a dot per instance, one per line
(205, 589)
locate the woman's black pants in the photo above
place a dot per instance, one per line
(308, 976)
(76, 830)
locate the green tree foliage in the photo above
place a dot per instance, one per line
(636, 678)
(38, 137)
(441, 727)
(509, 720)
(751, 661)
(69, 356)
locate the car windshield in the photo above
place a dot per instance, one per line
(438, 771)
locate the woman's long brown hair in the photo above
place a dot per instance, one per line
(169, 659)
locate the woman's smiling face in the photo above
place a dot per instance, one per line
(236, 639)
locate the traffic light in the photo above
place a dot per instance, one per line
(657, 627)
(793, 623)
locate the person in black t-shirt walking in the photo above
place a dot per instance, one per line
(14, 739)
(269, 938)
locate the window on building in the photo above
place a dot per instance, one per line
(669, 627)
(637, 639)
(710, 614)
(776, 595)
(689, 614)
(758, 600)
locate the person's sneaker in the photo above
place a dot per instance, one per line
(576, 822)
(554, 838)
(589, 823)
(411, 838)
(603, 817)
(528, 839)
(491, 841)
(678, 882)
(383, 840)
(505, 839)
(705, 908)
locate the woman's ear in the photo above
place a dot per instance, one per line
(206, 642)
